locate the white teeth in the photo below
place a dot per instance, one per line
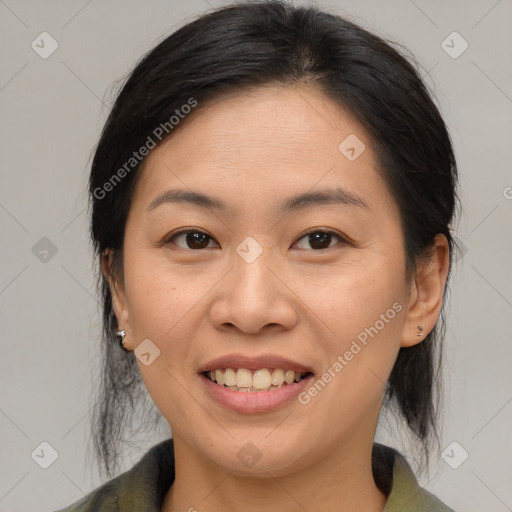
(289, 376)
(261, 379)
(277, 377)
(245, 380)
(219, 377)
(230, 377)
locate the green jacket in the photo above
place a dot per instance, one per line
(143, 488)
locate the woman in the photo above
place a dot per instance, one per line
(272, 197)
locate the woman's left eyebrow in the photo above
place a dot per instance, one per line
(336, 195)
(301, 201)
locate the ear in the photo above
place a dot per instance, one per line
(426, 294)
(116, 285)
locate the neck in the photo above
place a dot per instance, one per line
(341, 481)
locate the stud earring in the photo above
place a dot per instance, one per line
(122, 335)
(420, 328)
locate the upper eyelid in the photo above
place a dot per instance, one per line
(185, 231)
(322, 230)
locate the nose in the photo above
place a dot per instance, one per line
(253, 297)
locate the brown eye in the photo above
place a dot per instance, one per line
(192, 239)
(320, 239)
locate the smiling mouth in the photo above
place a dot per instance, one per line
(264, 379)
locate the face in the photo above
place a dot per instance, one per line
(257, 282)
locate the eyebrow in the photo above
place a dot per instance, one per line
(302, 201)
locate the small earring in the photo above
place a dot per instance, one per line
(122, 335)
(420, 328)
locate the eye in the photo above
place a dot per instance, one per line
(320, 239)
(192, 239)
(196, 240)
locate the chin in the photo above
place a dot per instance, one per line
(250, 456)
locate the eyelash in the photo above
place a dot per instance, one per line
(343, 240)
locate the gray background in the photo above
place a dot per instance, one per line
(52, 112)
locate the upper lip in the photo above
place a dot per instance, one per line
(254, 363)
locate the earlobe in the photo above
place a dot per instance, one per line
(427, 291)
(117, 292)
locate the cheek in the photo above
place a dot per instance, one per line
(163, 308)
(158, 296)
(353, 296)
(361, 313)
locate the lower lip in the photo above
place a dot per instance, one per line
(254, 402)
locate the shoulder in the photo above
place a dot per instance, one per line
(140, 488)
(102, 499)
(401, 485)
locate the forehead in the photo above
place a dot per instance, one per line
(265, 140)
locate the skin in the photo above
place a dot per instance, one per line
(252, 151)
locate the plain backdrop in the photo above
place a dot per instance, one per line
(52, 111)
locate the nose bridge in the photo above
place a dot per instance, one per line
(252, 279)
(253, 295)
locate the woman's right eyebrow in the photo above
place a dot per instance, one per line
(189, 197)
(327, 196)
